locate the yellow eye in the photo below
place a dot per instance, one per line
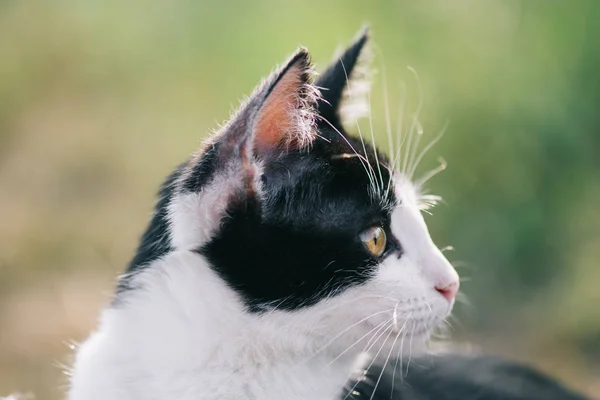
(374, 240)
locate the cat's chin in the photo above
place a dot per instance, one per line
(387, 342)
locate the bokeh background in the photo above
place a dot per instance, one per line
(100, 99)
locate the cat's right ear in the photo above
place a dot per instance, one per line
(343, 88)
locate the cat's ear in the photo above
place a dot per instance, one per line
(285, 117)
(278, 117)
(344, 85)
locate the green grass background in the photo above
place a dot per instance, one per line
(100, 99)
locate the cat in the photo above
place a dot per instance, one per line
(276, 256)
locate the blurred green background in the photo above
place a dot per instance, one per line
(100, 99)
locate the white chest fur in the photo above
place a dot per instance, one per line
(184, 335)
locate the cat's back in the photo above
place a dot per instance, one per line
(459, 377)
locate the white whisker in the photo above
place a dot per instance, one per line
(364, 161)
(399, 358)
(348, 84)
(446, 248)
(385, 365)
(412, 333)
(427, 148)
(391, 329)
(415, 147)
(376, 337)
(347, 329)
(399, 125)
(377, 327)
(421, 181)
(414, 123)
(386, 108)
(375, 145)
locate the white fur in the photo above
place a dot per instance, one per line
(194, 217)
(185, 335)
(355, 103)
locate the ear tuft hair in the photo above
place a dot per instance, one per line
(346, 83)
(286, 117)
(355, 102)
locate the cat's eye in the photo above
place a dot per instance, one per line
(374, 240)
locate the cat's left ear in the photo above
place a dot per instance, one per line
(345, 83)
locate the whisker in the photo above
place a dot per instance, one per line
(399, 125)
(400, 351)
(443, 333)
(427, 148)
(370, 171)
(377, 327)
(462, 298)
(428, 305)
(386, 105)
(427, 176)
(334, 306)
(431, 198)
(410, 347)
(415, 147)
(374, 144)
(400, 137)
(445, 320)
(347, 329)
(394, 151)
(395, 315)
(455, 319)
(414, 120)
(464, 264)
(385, 365)
(372, 362)
(376, 337)
(348, 83)
(324, 138)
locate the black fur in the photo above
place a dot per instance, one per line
(457, 377)
(204, 170)
(334, 79)
(299, 242)
(155, 241)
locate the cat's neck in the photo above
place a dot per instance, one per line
(183, 334)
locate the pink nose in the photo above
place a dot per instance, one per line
(449, 291)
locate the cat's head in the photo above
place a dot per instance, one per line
(297, 217)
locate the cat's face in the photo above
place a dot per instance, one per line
(298, 218)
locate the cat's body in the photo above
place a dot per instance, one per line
(276, 256)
